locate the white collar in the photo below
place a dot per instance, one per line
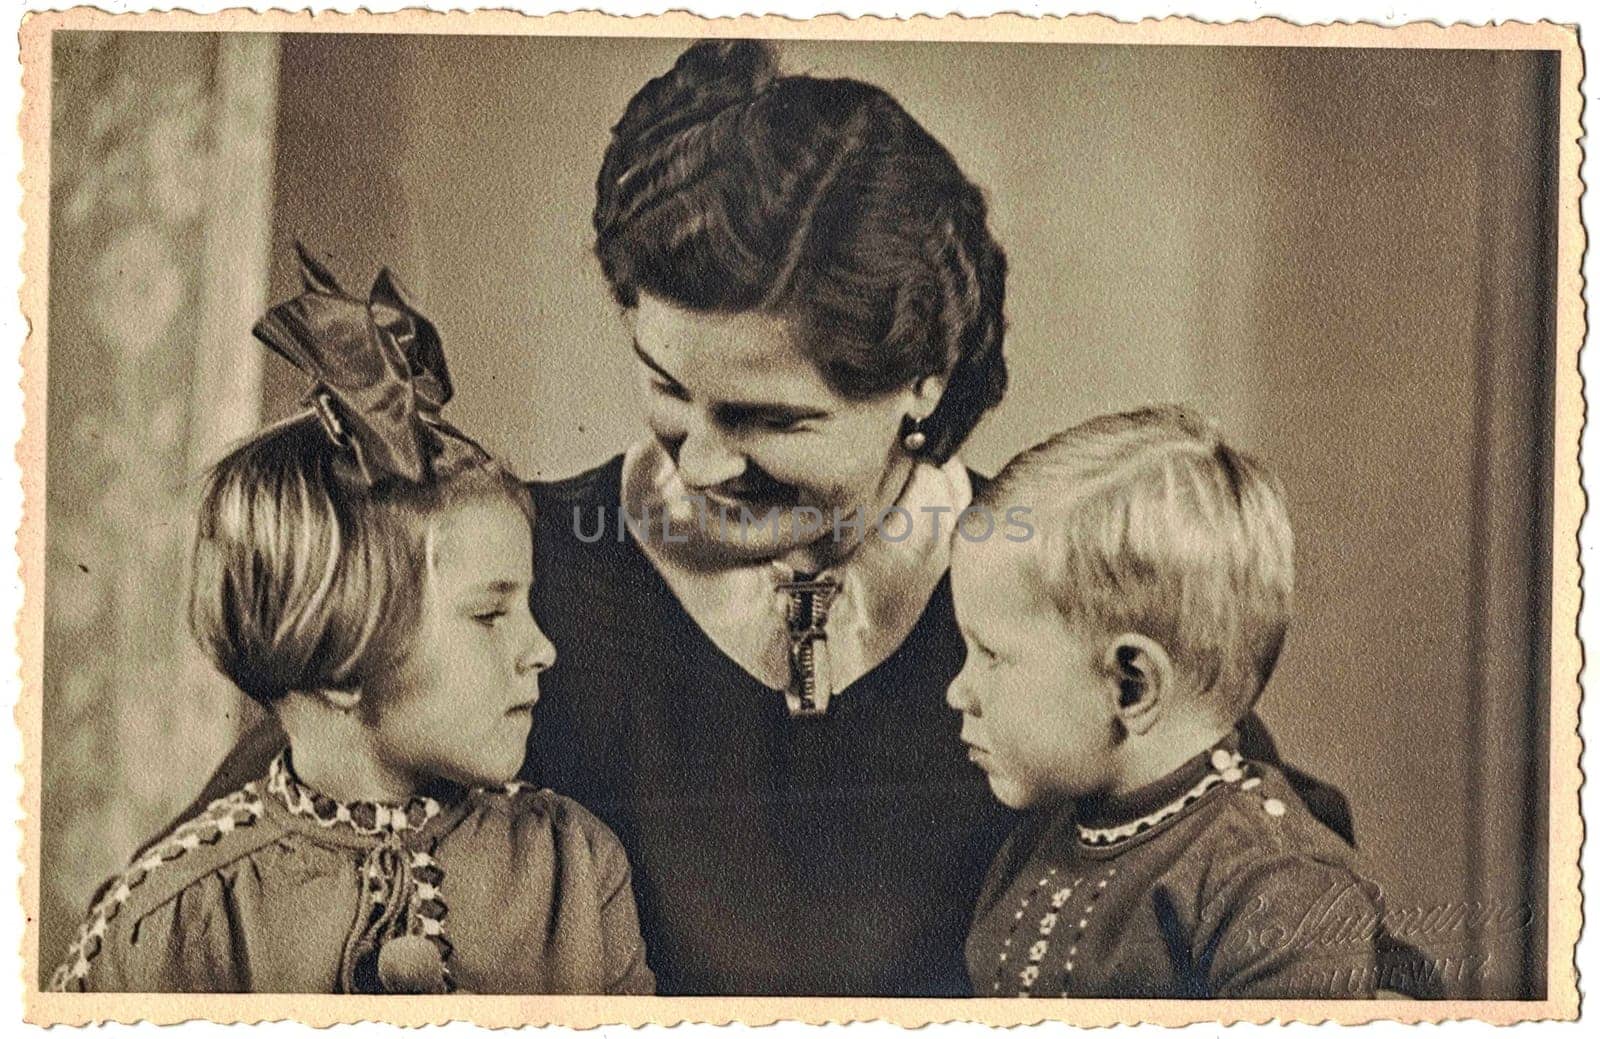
(884, 584)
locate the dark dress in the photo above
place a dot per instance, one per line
(771, 855)
(831, 855)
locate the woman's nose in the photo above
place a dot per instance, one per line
(707, 455)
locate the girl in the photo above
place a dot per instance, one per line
(363, 570)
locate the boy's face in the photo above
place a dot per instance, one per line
(461, 704)
(1036, 703)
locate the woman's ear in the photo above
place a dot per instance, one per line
(1141, 680)
(925, 395)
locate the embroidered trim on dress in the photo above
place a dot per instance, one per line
(1227, 767)
(239, 809)
(427, 905)
(369, 818)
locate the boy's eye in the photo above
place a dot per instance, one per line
(488, 618)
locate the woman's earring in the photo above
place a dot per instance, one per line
(914, 439)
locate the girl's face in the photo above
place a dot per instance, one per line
(751, 425)
(459, 707)
(1036, 707)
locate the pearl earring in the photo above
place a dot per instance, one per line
(916, 439)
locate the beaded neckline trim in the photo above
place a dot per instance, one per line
(370, 818)
(1227, 767)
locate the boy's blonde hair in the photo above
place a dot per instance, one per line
(303, 577)
(1146, 521)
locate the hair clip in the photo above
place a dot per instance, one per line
(321, 401)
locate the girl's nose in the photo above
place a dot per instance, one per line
(707, 456)
(539, 655)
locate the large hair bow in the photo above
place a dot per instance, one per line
(378, 370)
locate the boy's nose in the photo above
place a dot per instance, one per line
(959, 695)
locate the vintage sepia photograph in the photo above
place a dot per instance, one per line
(884, 520)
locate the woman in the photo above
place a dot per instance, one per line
(754, 701)
(750, 680)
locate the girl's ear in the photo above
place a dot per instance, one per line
(342, 700)
(925, 395)
(1140, 680)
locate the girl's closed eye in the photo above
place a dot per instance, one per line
(490, 616)
(987, 655)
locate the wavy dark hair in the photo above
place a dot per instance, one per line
(730, 188)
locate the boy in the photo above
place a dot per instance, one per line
(1110, 657)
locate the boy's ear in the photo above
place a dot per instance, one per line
(1141, 680)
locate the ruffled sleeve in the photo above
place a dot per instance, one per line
(162, 925)
(626, 971)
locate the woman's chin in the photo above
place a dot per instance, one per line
(729, 537)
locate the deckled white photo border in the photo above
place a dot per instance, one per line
(1299, 12)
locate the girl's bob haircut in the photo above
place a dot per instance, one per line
(303, 577)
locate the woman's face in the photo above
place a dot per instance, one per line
(758, 436)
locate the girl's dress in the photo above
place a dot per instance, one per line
(277, 888)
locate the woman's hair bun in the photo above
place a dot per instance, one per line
(707, 78)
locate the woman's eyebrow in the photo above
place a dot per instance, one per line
(736, 410)
(650, 363)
